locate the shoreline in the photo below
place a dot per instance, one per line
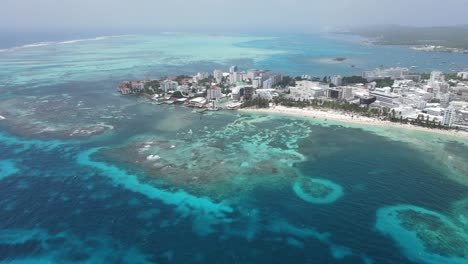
(332, 115)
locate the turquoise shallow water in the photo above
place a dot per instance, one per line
(77, 185)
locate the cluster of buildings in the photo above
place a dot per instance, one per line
(224, 90)
(436, 98)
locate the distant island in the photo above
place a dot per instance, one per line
(340, 59)
(453, 39)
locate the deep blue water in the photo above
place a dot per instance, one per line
(58, 207)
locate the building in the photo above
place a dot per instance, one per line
(300, 93)
(236, 77)
(266, 93)
(385, 99)
(168, 85)
(267, 84)
(435, 111)
(336, 80)
(367, 100)
(252, 74)
(197, 102)
(463, 75)
(233, 69)
(257, 82)
(449, 117)
(213, 93)
(200, 76)
(393, 73)
(437, 76)
(218, 75)
(335, 93)
(248, 92)
(347, 93)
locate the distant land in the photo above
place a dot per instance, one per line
(442, 39)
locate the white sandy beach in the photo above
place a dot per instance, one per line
(332, 115)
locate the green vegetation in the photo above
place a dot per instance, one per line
(257, 103)
(340, 59)
(177, 94)
(152, 87)
(353, 80)
(387, 82)
(179, 78)
(287, 81)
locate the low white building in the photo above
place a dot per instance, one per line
(463, 75)
(300, 93)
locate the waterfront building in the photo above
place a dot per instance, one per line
(197, 102)
(266, 93)
(449, 117)
(213, 93)
(248, 92)
(168, 85)
(435, 111)
(366, 99)
(300, 93)
(335, 93)
(385, 99)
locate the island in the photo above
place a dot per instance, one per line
(434, 102)
(450, 39)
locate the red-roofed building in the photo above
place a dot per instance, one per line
(213, 93)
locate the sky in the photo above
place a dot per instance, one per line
(222, 15)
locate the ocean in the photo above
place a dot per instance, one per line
(90, 176)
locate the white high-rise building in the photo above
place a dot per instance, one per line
(218, 75)
(437, 76)
(213, 93)
(236, 77)
(463, 75)
(257, 82)
(337, 80)
(233, 69)
(252, 74)
(347, 93)
(168, 85)
(449, 117)
(267, 84)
